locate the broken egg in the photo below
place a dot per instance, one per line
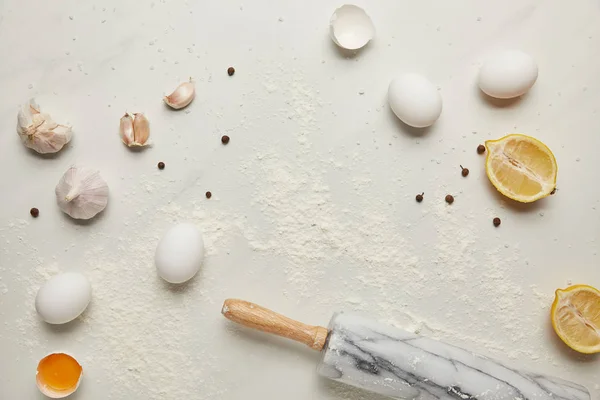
(350, 27)
(415, 100)
(58, 375)
(179, 253)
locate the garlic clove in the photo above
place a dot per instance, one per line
(134, 130)
(182, 95)
(126, 129)
(39, 132)
(141, 130)
(82, 193)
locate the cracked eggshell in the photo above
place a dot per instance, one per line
(415, 100)
(58, 375)
(350, 27)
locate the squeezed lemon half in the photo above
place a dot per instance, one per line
(575, 317)
(521, 167)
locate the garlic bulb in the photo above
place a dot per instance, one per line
(134, 130)
(181, 96)
(81, 193)
(39, 132)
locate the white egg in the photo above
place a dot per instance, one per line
(415, 100)
(179, 253)
(350, 27)
(63, 298)
(508, 73)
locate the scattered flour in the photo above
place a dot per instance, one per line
(359, 255)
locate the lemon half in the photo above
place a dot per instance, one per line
(521, 167)
(575, 317)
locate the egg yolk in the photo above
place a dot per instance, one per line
(59, 371)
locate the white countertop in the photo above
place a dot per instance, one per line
(313, 205)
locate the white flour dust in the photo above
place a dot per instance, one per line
(138, 325)
(140, 329)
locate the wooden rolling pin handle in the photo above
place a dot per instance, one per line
(256, 317)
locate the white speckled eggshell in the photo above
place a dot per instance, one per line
(507, 74)
(415, 100)
(63, 298)
(179, 253)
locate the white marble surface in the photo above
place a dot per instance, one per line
(313, 200)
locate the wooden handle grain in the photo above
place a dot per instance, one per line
(256, 317)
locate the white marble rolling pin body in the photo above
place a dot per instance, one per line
(402, 365)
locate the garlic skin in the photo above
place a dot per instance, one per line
(39, 132)
(181, 96)
(82, 193)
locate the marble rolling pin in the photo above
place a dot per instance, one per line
(402, 365)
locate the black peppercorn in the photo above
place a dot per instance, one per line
(480, 149)
(230, 71)
(465, 171)
(161, 165)
(449, 199)
(497, 222)
(419, 197)
(34, 212)
(208, 195)
(225, 139)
